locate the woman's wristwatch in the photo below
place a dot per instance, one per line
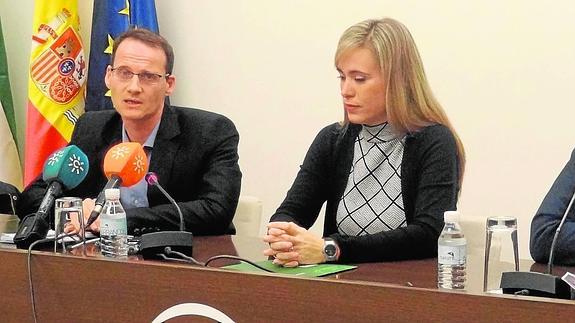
(330, 250)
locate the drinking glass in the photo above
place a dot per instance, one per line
(66, 208)
(501, 251)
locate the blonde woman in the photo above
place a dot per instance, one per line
(387, 172)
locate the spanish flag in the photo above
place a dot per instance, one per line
(56, 81)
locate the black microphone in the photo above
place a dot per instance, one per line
(152, 179)
(153, 245)
(65, 168)
(538, 284)
(35, 226)
(113, 182)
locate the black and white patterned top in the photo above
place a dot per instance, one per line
(372, 201)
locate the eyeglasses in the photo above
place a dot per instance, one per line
(124, 74)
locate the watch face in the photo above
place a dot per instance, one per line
(330, 250)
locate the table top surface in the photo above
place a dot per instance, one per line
(410, 273)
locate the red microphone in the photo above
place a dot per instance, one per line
(125, 164)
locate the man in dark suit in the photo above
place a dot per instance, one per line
(548, 217)
(194, 152)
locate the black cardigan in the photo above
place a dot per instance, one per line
(429, 185)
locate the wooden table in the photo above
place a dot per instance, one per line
(76, 288)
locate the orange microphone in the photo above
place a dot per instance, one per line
(125, 164)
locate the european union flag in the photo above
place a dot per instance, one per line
(109, 19)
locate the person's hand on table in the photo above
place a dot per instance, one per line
(292, 245)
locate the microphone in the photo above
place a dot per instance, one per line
(125, 164)
(152, 180)
(538, 284)
(153, 245)
(64, 169)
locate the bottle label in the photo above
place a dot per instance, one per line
(113, 226)
(452, 255)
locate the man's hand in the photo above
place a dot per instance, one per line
(74, 225)
(292, 245)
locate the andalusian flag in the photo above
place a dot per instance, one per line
(109, 19)
(10, 170)
(56, 81)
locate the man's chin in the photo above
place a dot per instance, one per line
(132, 116)
(130, 113)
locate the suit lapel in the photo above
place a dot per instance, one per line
(165, 147)
(113, 131)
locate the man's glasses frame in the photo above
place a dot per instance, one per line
(124, 74)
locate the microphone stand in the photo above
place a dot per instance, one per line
(153, 245)
(539, 284)
(552, 252)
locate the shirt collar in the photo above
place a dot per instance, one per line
(378, 134)
(149, 141)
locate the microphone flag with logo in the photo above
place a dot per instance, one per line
(125, 164)
(68, 165)
(128, 161)
(66, 168)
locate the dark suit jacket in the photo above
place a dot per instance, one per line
(549, 216)
(195, 157)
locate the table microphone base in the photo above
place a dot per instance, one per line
(535, 284)
(152, 244)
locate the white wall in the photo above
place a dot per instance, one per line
(504, 71)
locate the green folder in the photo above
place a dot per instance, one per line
(301, 271)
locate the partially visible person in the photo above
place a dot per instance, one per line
(387, 172)
(549, 216)
(194, 152)
(9, 196)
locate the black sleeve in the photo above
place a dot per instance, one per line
(218, 189)
(436, 191)
(309, 190)
(31, 197)
(549, 216)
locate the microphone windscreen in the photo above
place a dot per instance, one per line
(128, 161)
(151, 178)
(68, 165)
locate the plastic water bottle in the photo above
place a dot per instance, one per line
(113, 226)
(451, 253)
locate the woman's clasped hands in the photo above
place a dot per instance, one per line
(291, 245)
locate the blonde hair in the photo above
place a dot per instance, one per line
(410, 103)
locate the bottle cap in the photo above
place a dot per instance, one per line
(451, 216)
(112, 193)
